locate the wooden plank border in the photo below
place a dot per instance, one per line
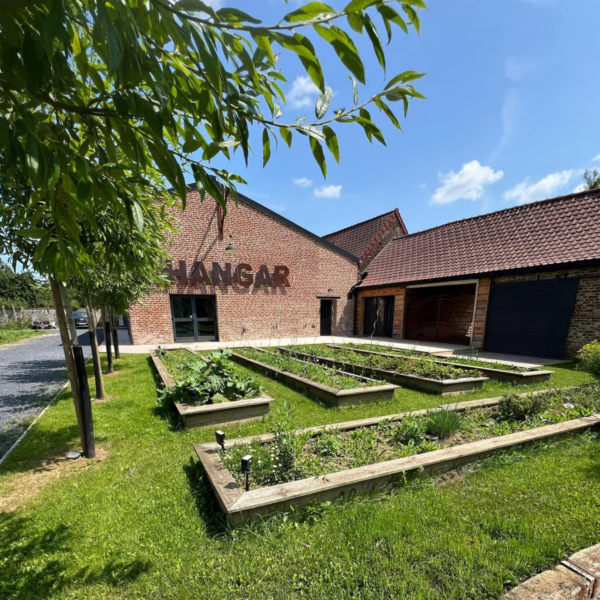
(347, 397)
(240, 506)
(445, 387)
(238, 411)
(535, 376)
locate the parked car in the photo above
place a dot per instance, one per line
(81, 318)
(43, 324)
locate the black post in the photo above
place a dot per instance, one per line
(115, 333)
(108, 348)
(89, 447)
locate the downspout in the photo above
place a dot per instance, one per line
(353, 292)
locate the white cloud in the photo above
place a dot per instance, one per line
(329, 191)
(516, 69)
(596, 158)
(303, 92)
(580, 188)
(511, 110)
(547, 187)
(468, 183)
(303, 182)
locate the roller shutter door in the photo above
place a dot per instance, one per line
(530, 318)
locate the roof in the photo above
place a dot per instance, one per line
(288, 223)
(357, 239)
(559, 231)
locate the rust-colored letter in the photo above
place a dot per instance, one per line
(280, 276)
(243, 275)
(263, 277)
(199, 276)
(178, 275)
(221, 276)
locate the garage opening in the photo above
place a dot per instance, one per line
(530, 318)
(440, 313)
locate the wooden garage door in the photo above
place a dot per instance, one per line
(530, 318)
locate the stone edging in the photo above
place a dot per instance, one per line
(577, 578)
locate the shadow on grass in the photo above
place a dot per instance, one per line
(21, 542)
(206, 503)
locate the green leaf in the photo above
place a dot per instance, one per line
(138, 215)
(323, 102)
(405, 77)
(312, 132)
(375, 41)
(234, 15)
(354, 90)
(355, 22)
(263, 42)
(276, 111)
(390, 14)
(317, 151)
(308, 11)
(359, 5)
(332, 142)
(344, 47)
(195, 6)
(167, 165)
(388, 112)
(286, 136)
(266, 144)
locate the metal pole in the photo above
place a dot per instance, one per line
(89, 448)
(108, 348)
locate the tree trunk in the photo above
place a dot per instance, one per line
(107, 340)
(100, 393)
(115, 333)
(69, 315)
(66, 344)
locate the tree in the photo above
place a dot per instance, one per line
(23, 289)
(105, 105)
(592, 179)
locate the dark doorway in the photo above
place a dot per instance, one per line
(530, 318)
(326, 316)
(440, 313)
(194, 318)
(379, 316)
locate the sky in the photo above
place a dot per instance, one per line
(511, 116)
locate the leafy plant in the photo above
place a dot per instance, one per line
(519, 408)
(211, 381)
(589, 359)
(411, 430)
(444, 422)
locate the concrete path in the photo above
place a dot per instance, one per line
(31, 372)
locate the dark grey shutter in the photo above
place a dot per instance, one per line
(530, 318)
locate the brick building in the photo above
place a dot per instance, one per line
(524, 280)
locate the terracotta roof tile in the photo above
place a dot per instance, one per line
(551, 232)
(357, 238)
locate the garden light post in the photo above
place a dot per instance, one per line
(246, 464)
(220, 437)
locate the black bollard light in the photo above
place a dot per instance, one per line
(220, 437)
(246, 465)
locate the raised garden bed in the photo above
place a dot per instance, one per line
(211, 414)
(319, 484)
(365, 390)
(497, 371)
(445, 386)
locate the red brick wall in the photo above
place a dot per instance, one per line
(252, 312)
(382, 239)
(585, 322)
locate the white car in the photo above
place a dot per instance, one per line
(43, 324)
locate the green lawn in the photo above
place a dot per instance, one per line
(10, 336)
(140, 524)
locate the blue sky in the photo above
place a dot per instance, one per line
(512, 116)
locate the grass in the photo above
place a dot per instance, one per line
(140, 524)
(10, 336)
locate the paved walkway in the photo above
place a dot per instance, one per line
(434, 348)
(31, 372)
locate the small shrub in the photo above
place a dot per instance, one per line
(411, 430)
(519, 408)
(444, 422)
(589, 359)
(327, 445)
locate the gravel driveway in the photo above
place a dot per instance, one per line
(31, 373)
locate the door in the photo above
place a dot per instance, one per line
(530, 318)
(326, 316)
(379, 316)
(194, 318)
